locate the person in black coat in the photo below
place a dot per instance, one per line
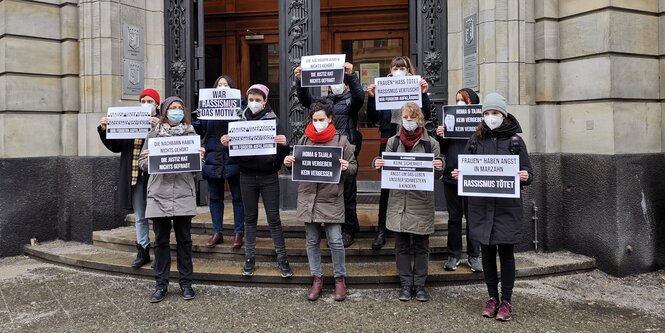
(346, 100)
(388, 124)
(497, 222)
(132, 184)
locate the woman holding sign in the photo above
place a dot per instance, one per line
(258, 176)
(324, 202)
(389, 120)
(410, 213)
(171, 198)
(497, 222)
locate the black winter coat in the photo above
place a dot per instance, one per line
(494, 221)
(125, 147)
(451, 148)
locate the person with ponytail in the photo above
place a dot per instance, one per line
(323, 203)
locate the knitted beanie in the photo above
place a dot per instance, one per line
(495, 101)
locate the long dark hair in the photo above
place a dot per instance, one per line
(403, 61)
(228, 80)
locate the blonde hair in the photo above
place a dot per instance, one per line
(413, 109)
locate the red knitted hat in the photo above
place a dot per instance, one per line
(152, 93)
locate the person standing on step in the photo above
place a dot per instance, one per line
(217, 169)
(497, 222)
(323, 202)
(346, 99)
(389, 121)
(457, 205)
(133, 181)
(258, 176)
(171, 198)
(410, 213)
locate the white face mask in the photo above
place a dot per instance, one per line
(461, 103)
(493, 121)
(337, 89)
(255, 107)
(399, 72)
(409, 125)
(153, 108)
(320, 125)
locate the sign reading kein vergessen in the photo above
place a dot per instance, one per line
(407, 171)
(219, 104)
(174, 154)
(460, 121)
(251, 138)
(317, 164)
(489, 176)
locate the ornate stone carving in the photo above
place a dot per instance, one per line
(177, 22)
(298, 38)
(431, 57)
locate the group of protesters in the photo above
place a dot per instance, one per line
(169, 199)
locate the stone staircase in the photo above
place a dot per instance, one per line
(113, 250)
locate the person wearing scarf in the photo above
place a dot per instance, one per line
(323, 203)
(171, 199)
(410, 214)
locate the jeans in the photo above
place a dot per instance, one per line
(313, 239)
(216, 190)
(351, 225)
(138, 204)
(458, 207)
(182, 226)
(268, 187)
(412, 273)
(507, 259)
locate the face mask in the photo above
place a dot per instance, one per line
(223, 87)
(492, 121)
(461, 103)
(409, 125)
(153, 108)
(337, 89)
(399, 72)
(176, 115)
(256, 107)
(320, 125)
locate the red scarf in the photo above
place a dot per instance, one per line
(409, 139)
(320, 137)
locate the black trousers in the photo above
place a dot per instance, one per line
(182, 226)
(507, 259)
(408, 246)
(350, 225)
(383, 199)
(458, 207)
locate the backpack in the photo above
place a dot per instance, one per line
(427, 144)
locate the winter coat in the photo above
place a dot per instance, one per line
(262, 165)
(169, 194)
(495, 221)
(451, 148)
(126, 148)
(324, 203)
(345, 107)
(412, 211)
(384, 117)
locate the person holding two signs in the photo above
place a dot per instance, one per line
(497, 222)
(410, 213)
(324, 202)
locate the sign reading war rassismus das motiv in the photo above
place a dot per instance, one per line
(460, 121)
(174, 154)
(219, 104)
(407, 171)
(394, 91)
(251, 138)
(489, 176)
(322, 70)
(317, 164)
(128, 122)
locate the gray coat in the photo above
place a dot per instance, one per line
(324, 203)
(412, 211)
(169, 194)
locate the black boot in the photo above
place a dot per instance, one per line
(142, 256)
(380, 239)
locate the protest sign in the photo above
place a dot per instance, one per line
(128, 122)
(317, 164)
(219, 104)
(460, 121)
(322, 70)
(407, 171)
(394, 91)
(489, 176)
(251, 138)
(174, 154)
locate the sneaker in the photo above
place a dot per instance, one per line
(248, 270)
(188, 293)
(491, 307)
(421, 294)
(405, 293)
(285, 269)
(451, 264)
(505, 312)
(158, 295)
(347, 239)
(475, 264)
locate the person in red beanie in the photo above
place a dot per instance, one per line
(133, 182)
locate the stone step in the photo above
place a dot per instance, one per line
(124, 239)
(372, 274)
